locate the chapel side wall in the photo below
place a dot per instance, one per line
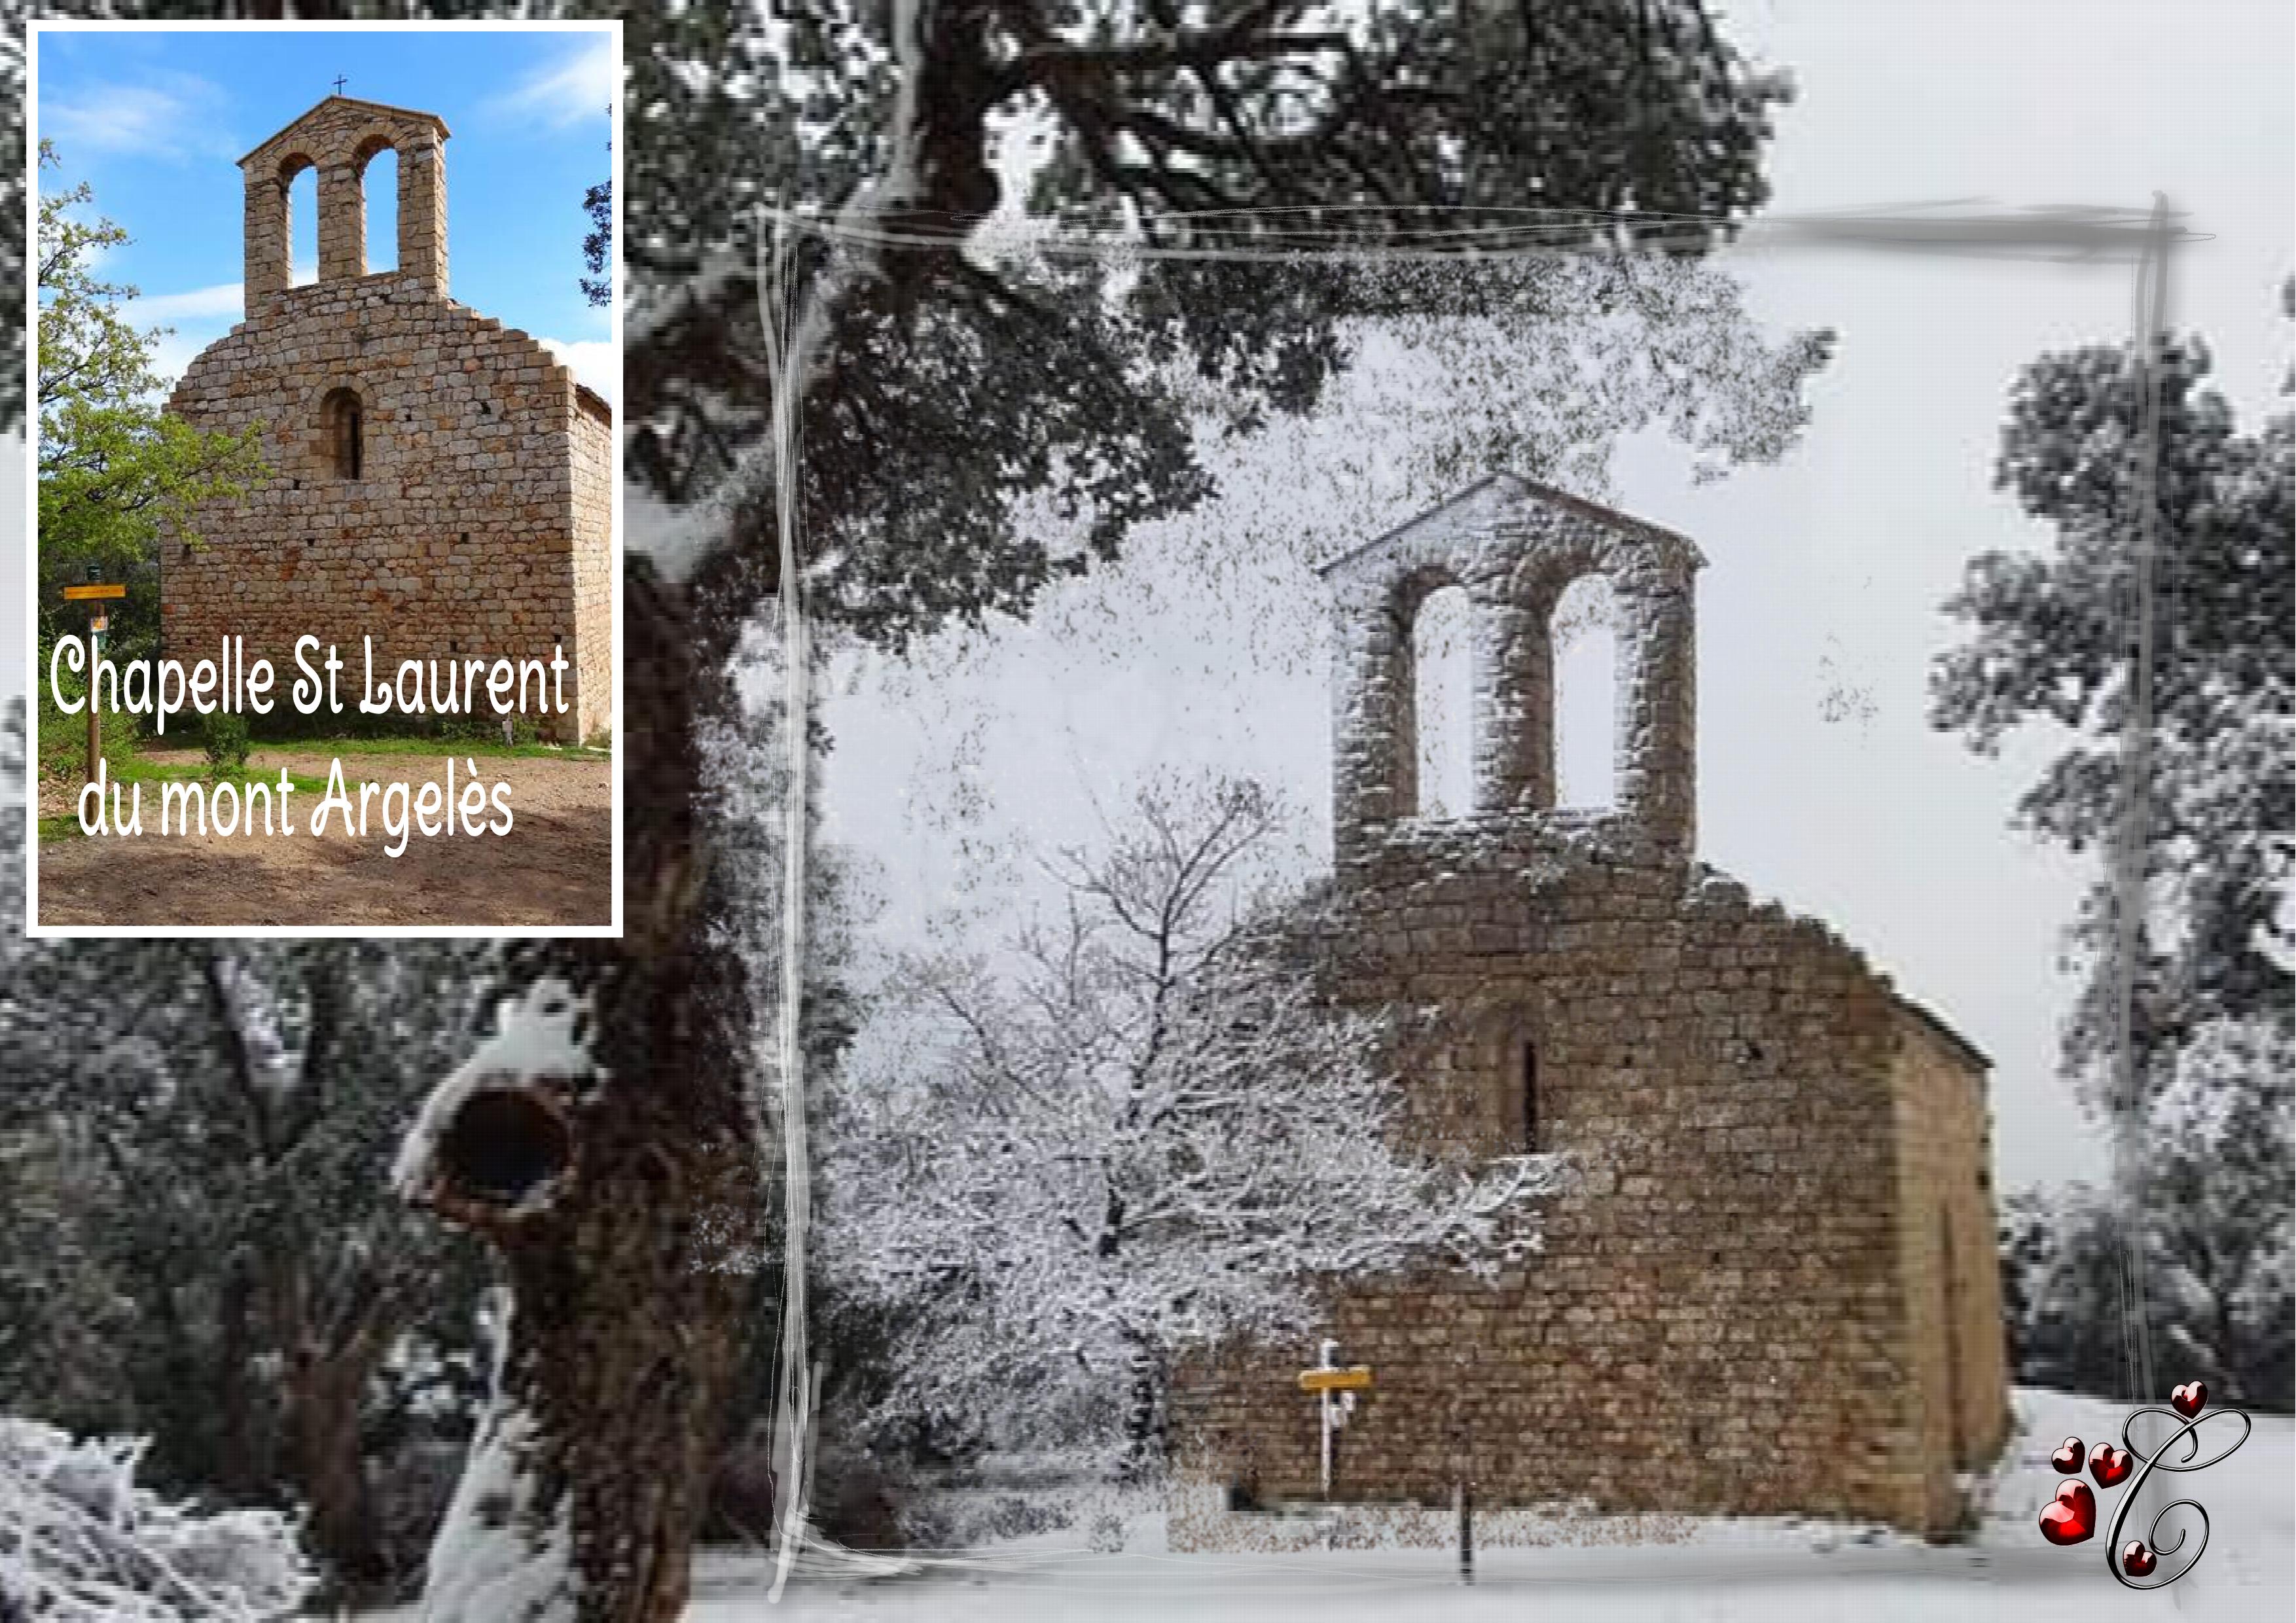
(456, 539)
(1951, 1256)
(592, 450)
(1716, 1324)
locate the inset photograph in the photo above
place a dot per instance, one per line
(325, 567)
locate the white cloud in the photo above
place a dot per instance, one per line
(170, 116)
(225, 301)
(577, 86)
(594, 361)
(211, 311)
(175, 352)
(191, 319)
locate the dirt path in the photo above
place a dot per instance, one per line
(554, 868)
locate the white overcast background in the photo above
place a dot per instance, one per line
(1820, 784)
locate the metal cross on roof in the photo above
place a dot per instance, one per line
(340, 83)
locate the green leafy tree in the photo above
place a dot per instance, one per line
(598, 204)
(116, 473)
(598, 244)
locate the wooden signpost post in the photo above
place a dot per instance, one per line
(1334, 1388)
(91, 593)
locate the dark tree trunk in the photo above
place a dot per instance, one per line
(632, 1300)
(631, 1312)
(326, 1398)
(243, 1456)
(1143, 1414)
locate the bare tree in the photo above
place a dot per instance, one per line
(1152, 1134)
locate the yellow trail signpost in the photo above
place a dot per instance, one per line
(1333, 1385)
(92, 593)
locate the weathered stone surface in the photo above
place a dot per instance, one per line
(439, 481)
(1774, 1287)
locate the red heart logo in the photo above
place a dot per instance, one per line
(2189, 1399)
(2067, 1459)
(2108, 1464)
(2071, 1516)
(2136, 1560)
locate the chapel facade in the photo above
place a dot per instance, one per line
(1771, 1285)
(437, 481)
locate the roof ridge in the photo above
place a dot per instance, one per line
(409, 112)
(1610, 518)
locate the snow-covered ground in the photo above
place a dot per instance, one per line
(1761, 1572)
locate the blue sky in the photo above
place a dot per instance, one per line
(156, 122)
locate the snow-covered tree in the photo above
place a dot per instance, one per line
(1150, 1131)
(2053, 638)
(2187, 997)
(205, 1124)
(81, 1541)
(2219, 1259)
(2221, 1197)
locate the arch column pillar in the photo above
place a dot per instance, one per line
(422, 209)
(1513, 699)
(1657, 726)
(1374, 719)
(343, 222)
(265, 238)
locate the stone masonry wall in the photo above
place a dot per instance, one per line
(595, 586)
(1951, 1256)
(1721, 1320)
(1769, 1285)
(476, 519)
(457, 538)
(339, 138)
(1513, 547)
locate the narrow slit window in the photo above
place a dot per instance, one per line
(343, 427)
(1530, 1100)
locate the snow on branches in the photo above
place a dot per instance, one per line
(1153, 1134)
(81, 1543)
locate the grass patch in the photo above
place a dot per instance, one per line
(476, 747)
(341, 733)
(60, 828)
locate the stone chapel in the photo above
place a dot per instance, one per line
(437, 480)
(1772, 1286)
